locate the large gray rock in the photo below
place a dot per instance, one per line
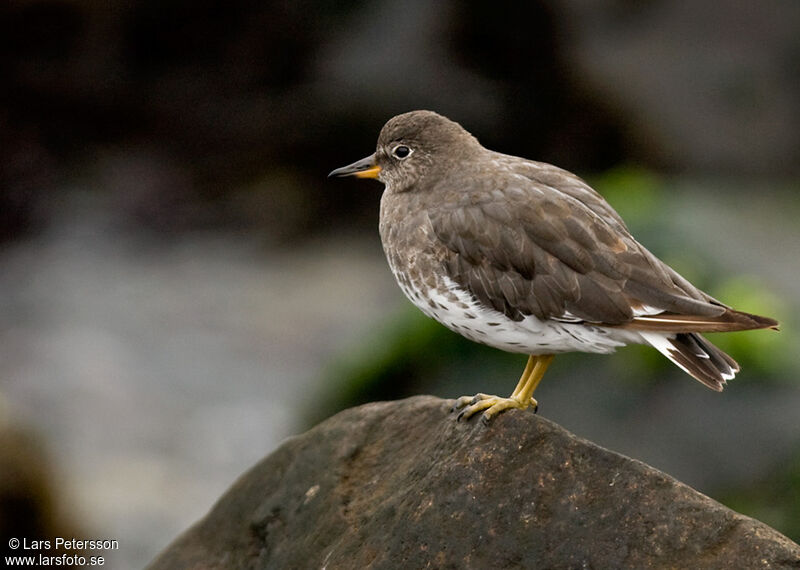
(404, 485)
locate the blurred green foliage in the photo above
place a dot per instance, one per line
(634, 192)
(771, 354)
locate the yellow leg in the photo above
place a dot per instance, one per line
(529, 366)
(521, 397)
(534, 377)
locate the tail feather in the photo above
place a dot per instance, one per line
(730, 320)
(696, 356)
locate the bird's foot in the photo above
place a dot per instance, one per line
(492, 404)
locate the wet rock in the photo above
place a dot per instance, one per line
(404, 485)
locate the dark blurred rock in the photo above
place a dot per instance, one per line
(29, 505)
(26, 170)
(404, 485)
(234, 98)
(214, 96)
(703, 87)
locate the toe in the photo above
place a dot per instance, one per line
(462, 402)
(490, 405)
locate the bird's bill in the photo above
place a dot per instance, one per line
(364, 168)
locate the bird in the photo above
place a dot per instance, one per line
(526, 257)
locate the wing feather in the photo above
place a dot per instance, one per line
(548, 245)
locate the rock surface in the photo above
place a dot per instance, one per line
(404, 485)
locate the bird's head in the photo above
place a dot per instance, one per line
(411, 147)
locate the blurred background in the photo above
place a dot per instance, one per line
(181, 288)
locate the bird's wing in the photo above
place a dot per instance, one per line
(567, 183)
(526, 248)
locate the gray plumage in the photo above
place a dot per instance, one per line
(525, 256)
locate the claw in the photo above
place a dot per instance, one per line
(462, 402)
(492, 405)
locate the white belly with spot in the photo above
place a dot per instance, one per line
(457, 310)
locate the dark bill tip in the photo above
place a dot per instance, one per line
(364, 168)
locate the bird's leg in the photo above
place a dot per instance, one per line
(529, 367)
(524, 391)
(521, 397)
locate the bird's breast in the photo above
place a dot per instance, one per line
(411, 248)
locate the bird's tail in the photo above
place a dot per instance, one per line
(696, 356)
(727, 321)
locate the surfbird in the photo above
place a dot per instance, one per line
(526, 257)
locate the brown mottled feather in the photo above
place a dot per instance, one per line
(560, 257)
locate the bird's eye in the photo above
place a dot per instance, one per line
(401, 151)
